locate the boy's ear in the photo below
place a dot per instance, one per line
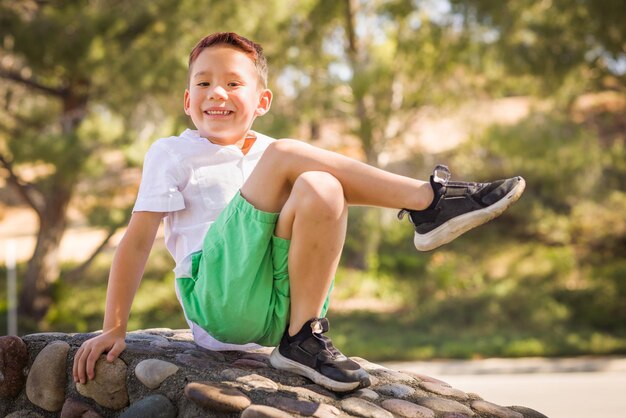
(186, 103)
(265, 101)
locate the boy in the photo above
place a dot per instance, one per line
(256, 226)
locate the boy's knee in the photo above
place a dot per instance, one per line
(283, 147)
(321, 192)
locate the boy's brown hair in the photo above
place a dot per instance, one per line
(253, 50)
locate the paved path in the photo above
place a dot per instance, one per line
(559, 388)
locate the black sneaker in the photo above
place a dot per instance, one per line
(311, 354)
(459, 207)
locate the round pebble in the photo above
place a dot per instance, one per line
(389, 375)
(73, 408)
(527, 412)
(13, 361)
(308, 394)
(249, 363)
(444, 390)
(293, 405)
(363, 408)
(407, 409)
(367, 394)
(153, 372)
(24, 414)
(217, 396)
(326, 411)
(260, 357)
(396, 390)
(318, 389)
(45, 385)
(153, 406)
(425, 378)
(249, 380)
(493, 409)
(262, 411)
(445, 405)
(108, 388)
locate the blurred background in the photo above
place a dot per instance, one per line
(491, 88)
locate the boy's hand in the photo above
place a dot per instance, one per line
(89, 352)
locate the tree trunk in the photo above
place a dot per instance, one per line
(365, 130)
(43, 268)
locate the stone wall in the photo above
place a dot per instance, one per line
(163, 374)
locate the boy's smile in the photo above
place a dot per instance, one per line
(225, 95)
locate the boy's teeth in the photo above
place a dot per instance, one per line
(218, 112)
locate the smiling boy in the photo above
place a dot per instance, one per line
(256, 225)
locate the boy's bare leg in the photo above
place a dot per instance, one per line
(269, 185)
(314, 218)
(311, 188)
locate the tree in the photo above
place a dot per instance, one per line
(371, 65)
(84, 86)
(568, 46)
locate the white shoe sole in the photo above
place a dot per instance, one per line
(461, 224)
(282, 363)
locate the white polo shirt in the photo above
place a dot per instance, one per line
(192, 180)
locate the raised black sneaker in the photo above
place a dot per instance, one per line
(459, 207)
(311, 354)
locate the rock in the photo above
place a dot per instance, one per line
(45, 385)
(326, 411)
(73, 408)
(527, 412)
(24, 414)
(318, 389)
(249, 380)
(389, 375)
(204, 354)
(217, 396)
(144, 337)
(250, 364)
(260, 357)
(308, 394)
(363, 408)
(445, 405)
(262, 411)
(444, 390)
(407, 409)
(13, 362)
(396, 390)
(424, 378)
(153, 372)
(224, 384)
(496, 410)
(367, 394)
(293, 405)
(108, 388)
(153, 406)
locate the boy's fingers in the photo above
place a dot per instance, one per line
(94, 355)
(75, 365)
(115, 351)
(80, 363)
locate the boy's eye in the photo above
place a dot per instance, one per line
(203, 84)
(233, 84)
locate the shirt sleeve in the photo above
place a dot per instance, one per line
(161, 181)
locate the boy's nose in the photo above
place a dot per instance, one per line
(218, 93)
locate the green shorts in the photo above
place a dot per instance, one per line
(239, 289)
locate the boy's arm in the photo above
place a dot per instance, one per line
(126, 271)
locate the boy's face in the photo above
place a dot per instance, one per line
(225, 94)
